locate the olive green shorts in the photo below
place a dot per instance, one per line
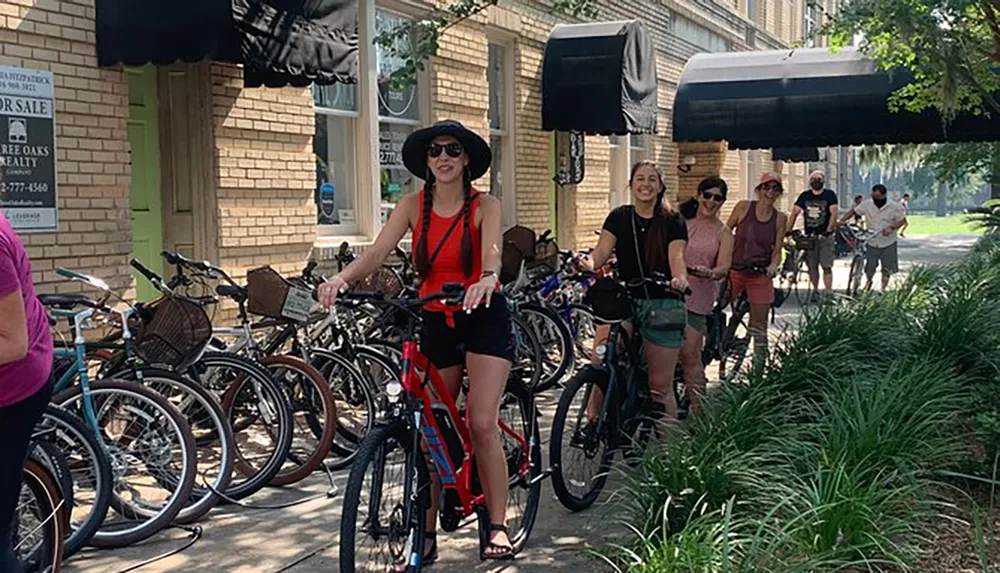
(698, 322)
(662, 321)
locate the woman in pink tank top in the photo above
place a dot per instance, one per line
(708, 253)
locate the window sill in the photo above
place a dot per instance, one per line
(334, 241)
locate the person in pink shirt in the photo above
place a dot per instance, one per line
(708, 254)
(25, 363)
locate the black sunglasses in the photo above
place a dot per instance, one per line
(709, 196)
(453, 149)
(772, 186)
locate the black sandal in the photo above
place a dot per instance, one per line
(495, 551)
(431, 556)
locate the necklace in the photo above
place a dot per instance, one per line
(643, 224)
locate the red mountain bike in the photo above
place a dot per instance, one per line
(388, 490)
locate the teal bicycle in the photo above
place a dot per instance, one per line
(148, 443)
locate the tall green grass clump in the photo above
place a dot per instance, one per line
(831, 457)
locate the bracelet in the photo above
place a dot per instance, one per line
(487, 274)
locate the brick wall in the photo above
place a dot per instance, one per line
(91, 141)
(266, 173)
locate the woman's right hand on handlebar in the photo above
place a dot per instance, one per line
(329, 291)
(680, 284)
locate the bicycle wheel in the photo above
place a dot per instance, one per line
(583, 327)
(213, 437)
(576, 439)
(736, 342)
(314, 417)
(390, 348)
(854, 279)
(803, 283)
(90, 474)
(39, 521)
(554, 340)
(258, 412)
(150, 446)
(379, 365)
(355, 403)
(527, 365)
(385, 504)
(521, 441)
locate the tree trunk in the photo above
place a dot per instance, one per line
(942, 200)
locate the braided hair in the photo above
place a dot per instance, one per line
(466, 251)
(422, 259)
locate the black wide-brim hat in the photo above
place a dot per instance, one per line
(415, 148)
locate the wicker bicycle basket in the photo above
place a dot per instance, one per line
(383, 279)
(546, 255)
(267, 293)
(518, 248)
(175, 335)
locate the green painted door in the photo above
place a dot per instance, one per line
(144, 141)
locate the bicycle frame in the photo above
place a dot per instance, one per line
(414, 386)
(79, 355)
(633, 348)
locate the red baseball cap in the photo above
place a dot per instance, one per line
(768, 177)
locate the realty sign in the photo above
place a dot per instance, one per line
(27, 149)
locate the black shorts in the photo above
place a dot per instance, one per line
(485, 331)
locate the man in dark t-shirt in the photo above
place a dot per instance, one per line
(819, 206)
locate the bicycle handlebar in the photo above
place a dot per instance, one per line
(208, 269)
(661, 282)
(155, 279)
(452, 291)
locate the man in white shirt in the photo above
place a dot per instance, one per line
(905, 202)
(883, 218)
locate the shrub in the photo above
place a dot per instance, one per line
(829, 458)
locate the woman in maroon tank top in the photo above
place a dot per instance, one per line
(759, 230)
(456, 238)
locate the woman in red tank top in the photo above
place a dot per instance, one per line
(456, 239)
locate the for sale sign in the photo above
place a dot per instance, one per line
(27, 149)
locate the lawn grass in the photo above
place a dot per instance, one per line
(931, 225)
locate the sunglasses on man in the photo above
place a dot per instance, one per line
(453, 149)
(709, 196)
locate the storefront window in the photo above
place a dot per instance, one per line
(399, 115)
(336, 165)
(639, 147)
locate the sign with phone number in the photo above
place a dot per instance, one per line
(27, 149)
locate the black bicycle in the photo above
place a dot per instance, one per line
(727, 340)
(605, 407)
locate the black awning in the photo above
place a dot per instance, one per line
(795, 154)
(298, 42)
(599, 79)
(137, 32)
(280, 42)
(806, 97)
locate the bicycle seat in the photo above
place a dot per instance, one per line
(66, 301)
